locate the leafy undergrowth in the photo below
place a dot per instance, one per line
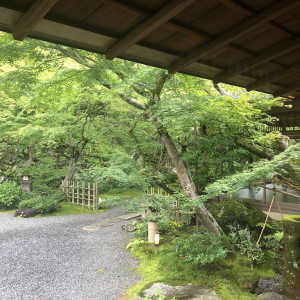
(231, 278)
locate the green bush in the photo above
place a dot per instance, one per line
(10, 194)
(201, 248)
(43, 204)
(244, 241)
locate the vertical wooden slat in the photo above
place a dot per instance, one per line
(94, 198)
(96, 195)
(77, 192)
(83, 193)
(89, 195)
(67, 190)
(73, 188)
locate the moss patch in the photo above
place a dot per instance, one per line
(232, 278)
(233, 212)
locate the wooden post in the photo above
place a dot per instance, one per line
(265, 191)
(89, 195)
(77, 192)
(73, 188)
(83, 193)
(94, 194)
(67, 191)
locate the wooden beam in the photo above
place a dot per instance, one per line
(260, 58)
(181, 27)
(290, 88)
(31, 18)
(272, 11)
(269, 78)
(245, 10)
(168, 11)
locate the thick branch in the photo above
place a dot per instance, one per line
(254, 150)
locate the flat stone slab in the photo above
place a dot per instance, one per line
(90, 228)
(188, 292)
(114, 220)
(105, 224)
(131, 216)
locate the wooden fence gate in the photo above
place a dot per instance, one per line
(81, 193)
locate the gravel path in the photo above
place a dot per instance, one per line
(54, 258)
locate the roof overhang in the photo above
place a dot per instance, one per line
(254, 44)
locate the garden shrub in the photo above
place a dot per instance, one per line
(10, 194)
(245, 242)
(201, 248)
(43, 204)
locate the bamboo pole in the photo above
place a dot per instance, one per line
(68, 191)
(274, 196)
(265, 191)
(77, 192)
(89, 195)
(83, 193)
(73, 188)
(94, 194)
(282, 192)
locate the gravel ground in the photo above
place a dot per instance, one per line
(54, 258)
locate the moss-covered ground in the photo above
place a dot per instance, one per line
(231, 278)
(66, 209)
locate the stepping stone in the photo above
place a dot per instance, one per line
(90, 228)
(131, 216)
(113, 220)
(179, 292)
(105, 224)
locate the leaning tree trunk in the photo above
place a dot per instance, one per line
(184, 175)
(71, 169)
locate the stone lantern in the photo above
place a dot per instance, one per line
(26, 183)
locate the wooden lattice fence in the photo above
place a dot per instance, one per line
(81, 193)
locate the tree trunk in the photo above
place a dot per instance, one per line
(71, 169)
(184, 175)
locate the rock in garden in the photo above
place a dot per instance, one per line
(269, 285)
(270, 296)
(26, 212)
(191, 292)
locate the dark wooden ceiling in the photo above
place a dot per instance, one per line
(249, 43)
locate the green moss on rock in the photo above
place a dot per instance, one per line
(291, 256)
(233, 212)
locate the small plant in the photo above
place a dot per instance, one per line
(10, 194)
(140, 244)
(201, 248)
(243, 240)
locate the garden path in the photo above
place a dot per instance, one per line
(54, 258)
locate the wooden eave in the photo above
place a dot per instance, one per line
(254, 44)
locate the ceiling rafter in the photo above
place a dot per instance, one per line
(167, 12)
(31, 18)
(288, 89)
(277, 75)
(259, 58)
(183, 28)
(243, 9)
(234, 32)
